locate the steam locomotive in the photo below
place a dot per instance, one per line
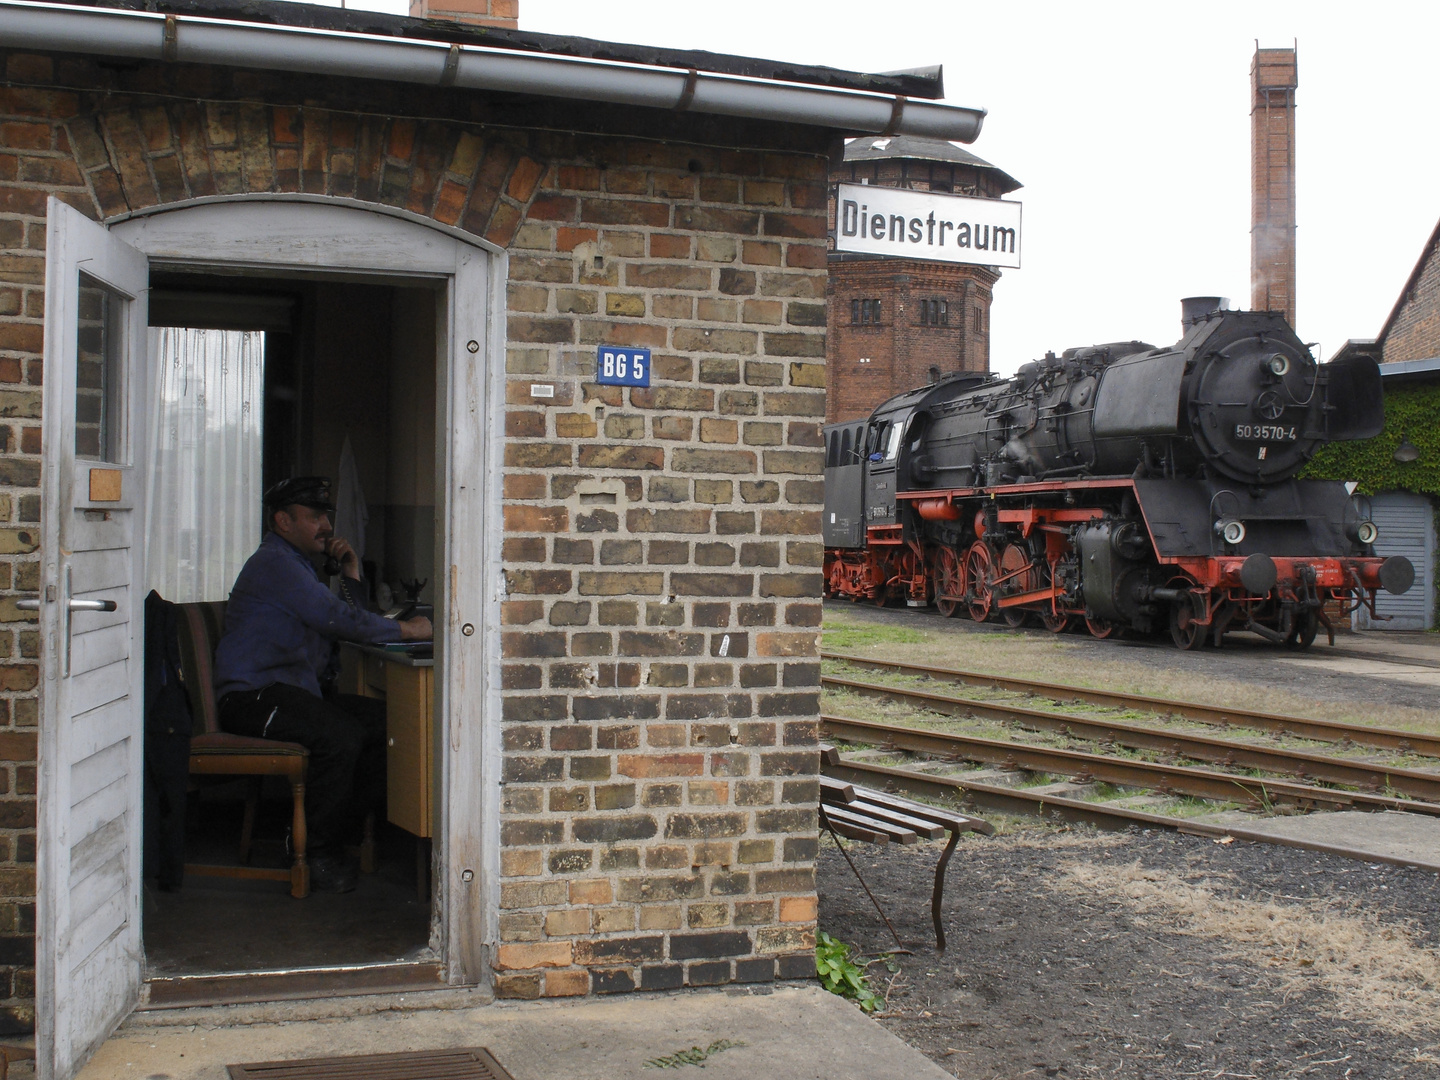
(1128, 487)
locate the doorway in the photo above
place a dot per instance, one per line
(258, 378)
(89, 954)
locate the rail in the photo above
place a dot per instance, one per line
(1170, 779)
(1297, 763)
(1409, 742)
(1024, 803)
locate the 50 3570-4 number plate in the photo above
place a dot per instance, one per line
(1266, 432)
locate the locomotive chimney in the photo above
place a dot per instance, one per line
(1195, 308)
(1274, 75)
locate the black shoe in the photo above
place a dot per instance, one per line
(331, 874)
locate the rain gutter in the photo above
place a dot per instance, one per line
(186, 39)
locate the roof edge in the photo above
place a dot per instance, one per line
(1425, 253)
(926, 83)
(194, 39)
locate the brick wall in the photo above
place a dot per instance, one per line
(1414, 331)
(660, 714)
(870, 364)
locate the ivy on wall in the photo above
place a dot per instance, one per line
(1411, 412)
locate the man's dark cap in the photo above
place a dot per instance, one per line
(313, 491)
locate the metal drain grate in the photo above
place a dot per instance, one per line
(468, 1063)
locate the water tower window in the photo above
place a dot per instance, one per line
(864, 312)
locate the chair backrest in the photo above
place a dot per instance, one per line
(199, 627)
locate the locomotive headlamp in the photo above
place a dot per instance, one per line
(1231, 530)
(1278, 365)
(1366, 532)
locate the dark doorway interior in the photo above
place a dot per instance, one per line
(345, 362)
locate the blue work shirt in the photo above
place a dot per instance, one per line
(281, 621)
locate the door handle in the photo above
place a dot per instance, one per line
(33, 604)
(92, 605)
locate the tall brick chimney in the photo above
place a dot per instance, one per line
(1273, 79)
(504, 13)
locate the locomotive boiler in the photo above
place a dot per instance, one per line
(1124, 486)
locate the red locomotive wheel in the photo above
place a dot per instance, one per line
(950, 582)
(1184, 630)
(1057, 622)
(1100, 628)
(979, 573)
(1015, 560)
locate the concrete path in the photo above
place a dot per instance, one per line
(789, 1032)
(1413, 839)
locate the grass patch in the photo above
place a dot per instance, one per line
(844, 638)
(1376, 972)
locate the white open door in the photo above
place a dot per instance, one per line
(88, 951)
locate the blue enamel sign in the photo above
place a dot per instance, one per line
(622, 367)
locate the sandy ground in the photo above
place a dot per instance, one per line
(1146, 954)
(1083, 954)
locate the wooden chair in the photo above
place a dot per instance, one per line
(214, 752)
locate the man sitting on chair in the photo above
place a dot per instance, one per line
(276, 663)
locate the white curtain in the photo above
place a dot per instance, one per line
(203, 508)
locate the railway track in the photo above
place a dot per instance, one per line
(1124, 772)
(1271, 775)
(1407, 742)
(1287, 763)
(1022, 803)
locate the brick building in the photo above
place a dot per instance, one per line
(626, 580)
(895, 324)
(1412, 329)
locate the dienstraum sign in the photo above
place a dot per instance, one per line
(927, 225)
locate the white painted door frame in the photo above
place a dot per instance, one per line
(314, 233)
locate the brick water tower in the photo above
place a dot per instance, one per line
(898, 323)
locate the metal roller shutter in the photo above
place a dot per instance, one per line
(1407, 527)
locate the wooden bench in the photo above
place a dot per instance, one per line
(877, 817)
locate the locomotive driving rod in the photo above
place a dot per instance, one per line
(1408, 742)
(1169, 779)
(1293, 763)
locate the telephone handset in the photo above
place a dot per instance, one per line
(332, 564)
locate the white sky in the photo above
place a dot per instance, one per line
(1129, 125)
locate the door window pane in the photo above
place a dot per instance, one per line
(100, 420)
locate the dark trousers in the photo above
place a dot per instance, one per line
(345, 735)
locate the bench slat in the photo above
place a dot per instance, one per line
(869, 808)
(853, 832)
(865, 821)
(950, 820)
(836, 791)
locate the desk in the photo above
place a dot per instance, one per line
(407, 686)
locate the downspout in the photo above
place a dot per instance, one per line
(145, 36)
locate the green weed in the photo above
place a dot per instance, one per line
(841, 975)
